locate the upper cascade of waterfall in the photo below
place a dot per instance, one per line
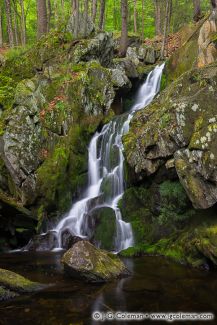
(101, 169)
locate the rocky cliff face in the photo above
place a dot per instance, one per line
(178, 131)
(171, 148)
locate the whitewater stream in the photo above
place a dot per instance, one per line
(106, 168)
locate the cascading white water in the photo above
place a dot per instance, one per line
(106, 169)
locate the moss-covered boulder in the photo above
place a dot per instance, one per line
(85, 261)
(103, 227)
(13, 284)
(178, 132)
(99, 48)
(165, 223)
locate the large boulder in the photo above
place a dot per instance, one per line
(179, 131)
(21, 141)
(100, 48)
(13, 284)
(144, 54)
(85, 26)
(86, 261)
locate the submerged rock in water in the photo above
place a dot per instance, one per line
(12, 284)
(86, 261)
(6, 294)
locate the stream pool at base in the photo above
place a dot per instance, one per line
(156, 285)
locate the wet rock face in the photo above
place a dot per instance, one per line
(180, 126)
(44, 242)
(101, 226)
(85, 261)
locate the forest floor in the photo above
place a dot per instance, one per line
(173, 42)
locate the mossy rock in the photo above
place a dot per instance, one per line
(17, 283)
(85, 261)
(104, 230)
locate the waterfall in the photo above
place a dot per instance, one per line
(106, 167)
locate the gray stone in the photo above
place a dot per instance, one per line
(85, 261)
(90, 28)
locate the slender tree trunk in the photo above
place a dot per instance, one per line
(143, 20)
(157, 5)
(166, 25)
(62, 2)
(9, 23)
(23, 24)
(124, 33)
(94, 10)
(214, 4)
(86, 7)
(197, 10)
(1, 33)
(75, 9)
(49, 14)
(15, 26)
(102, 14)
(42, 22)
(135, 16)
(55, 10)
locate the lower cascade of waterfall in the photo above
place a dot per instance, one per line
(102, 169)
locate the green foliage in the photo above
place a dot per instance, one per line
(182, 13)
(7, 85)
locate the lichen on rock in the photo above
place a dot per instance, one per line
(85, 261)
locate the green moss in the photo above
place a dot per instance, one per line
(165, 120)
(16, 282)
(105, 229)
(163, 82)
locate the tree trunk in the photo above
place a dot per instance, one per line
(102, 14)
(166, 26)
(1, 33)
(9, 23)
(86, 7)
(42, 22)
(214, 4)
(143, 20)
(94, 10)
(23, 24)
(197, 10)
(135, 17)
(55, 10)
(157, 17)
(75, 9)
(49, 14)
(124, 34)
(15, 26)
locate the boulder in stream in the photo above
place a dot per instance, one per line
(87, 262)
(13, 284)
